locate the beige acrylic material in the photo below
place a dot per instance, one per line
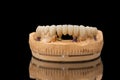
(61, 50)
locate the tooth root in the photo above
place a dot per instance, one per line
(64, 29)
(70, 29)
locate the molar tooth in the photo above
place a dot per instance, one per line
(70, 29)
(64, 29)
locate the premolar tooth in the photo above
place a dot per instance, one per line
(52, 30)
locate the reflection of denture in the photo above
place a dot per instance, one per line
(79, 33)
(90, 70)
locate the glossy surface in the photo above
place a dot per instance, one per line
(89, 70)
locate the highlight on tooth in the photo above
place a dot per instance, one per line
(78, 33)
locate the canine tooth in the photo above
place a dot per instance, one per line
(52, 30)
(64, 29)
(70, 29)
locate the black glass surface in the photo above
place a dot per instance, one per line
(89, 70)
(22, 56)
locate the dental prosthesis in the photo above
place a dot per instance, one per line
(46, 43)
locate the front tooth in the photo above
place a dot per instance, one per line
(64, 29)
(52, 30)
(59, 30)
(46, 29)
(76, 30)
(82, 31)
(70, 29)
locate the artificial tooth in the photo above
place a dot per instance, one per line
(76, 30)
(64, 29)
(46, 29)
(52, 30)
(70, 29)
(59, 30)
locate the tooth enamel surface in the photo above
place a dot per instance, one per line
(64, 29)
(59, 30)
(70, 29)
(76, 30)
(82, 31)
(46, 29)
(79, 33)
(52, 30)
(38, 31)
(88, 31)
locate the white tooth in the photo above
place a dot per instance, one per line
(94, 31)
(46, 29)
(82, 31)
(59, 30)
(52, 30)
(76, 31)
(70, 29)
(64, 29)
(39, 30)
(88, 31)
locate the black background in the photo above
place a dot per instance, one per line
(23, 25)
